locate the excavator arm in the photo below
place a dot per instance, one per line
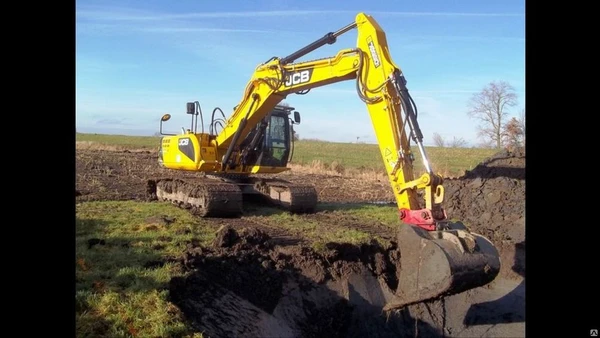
(379, 84)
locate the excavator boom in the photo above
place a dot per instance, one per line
(437, 257)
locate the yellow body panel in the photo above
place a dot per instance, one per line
(174, 157)
(204, 159)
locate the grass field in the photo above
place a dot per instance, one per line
(446, 161)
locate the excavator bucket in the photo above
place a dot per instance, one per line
(441, 263)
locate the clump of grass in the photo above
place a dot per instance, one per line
(337, 167)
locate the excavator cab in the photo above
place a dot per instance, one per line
(278, 138)
(270, 143)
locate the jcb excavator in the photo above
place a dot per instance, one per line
(437, 257)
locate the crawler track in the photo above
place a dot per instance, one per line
(294, 197)
(223, 197)
(204, 197)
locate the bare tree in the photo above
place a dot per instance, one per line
(438, 140)
(513, 134)
(457, 142)
(490, 107)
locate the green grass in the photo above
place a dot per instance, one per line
(447, 161)
(311, 229)
(384, 214)
(117, 293)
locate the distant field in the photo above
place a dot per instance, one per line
(447, 161)
(128, 142)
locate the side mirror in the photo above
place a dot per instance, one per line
(297, 117)
(191, 108)
(164, 118)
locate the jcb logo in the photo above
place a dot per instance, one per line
(184, 141)
(298, 77)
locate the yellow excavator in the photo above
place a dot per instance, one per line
(437, 257)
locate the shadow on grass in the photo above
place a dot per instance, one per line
(90, 323)
(117, 263)
(257, 205)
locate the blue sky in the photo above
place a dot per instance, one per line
(136, 60)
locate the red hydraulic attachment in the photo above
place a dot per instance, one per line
(422, 218)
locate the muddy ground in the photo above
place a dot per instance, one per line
(258, 280)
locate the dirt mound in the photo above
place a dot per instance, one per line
(244, 286)
(490, 200)
(508, 164)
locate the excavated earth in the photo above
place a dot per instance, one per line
(259, 280)
(490, 200)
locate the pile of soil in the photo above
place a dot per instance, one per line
(243, 285)
(490, 200)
